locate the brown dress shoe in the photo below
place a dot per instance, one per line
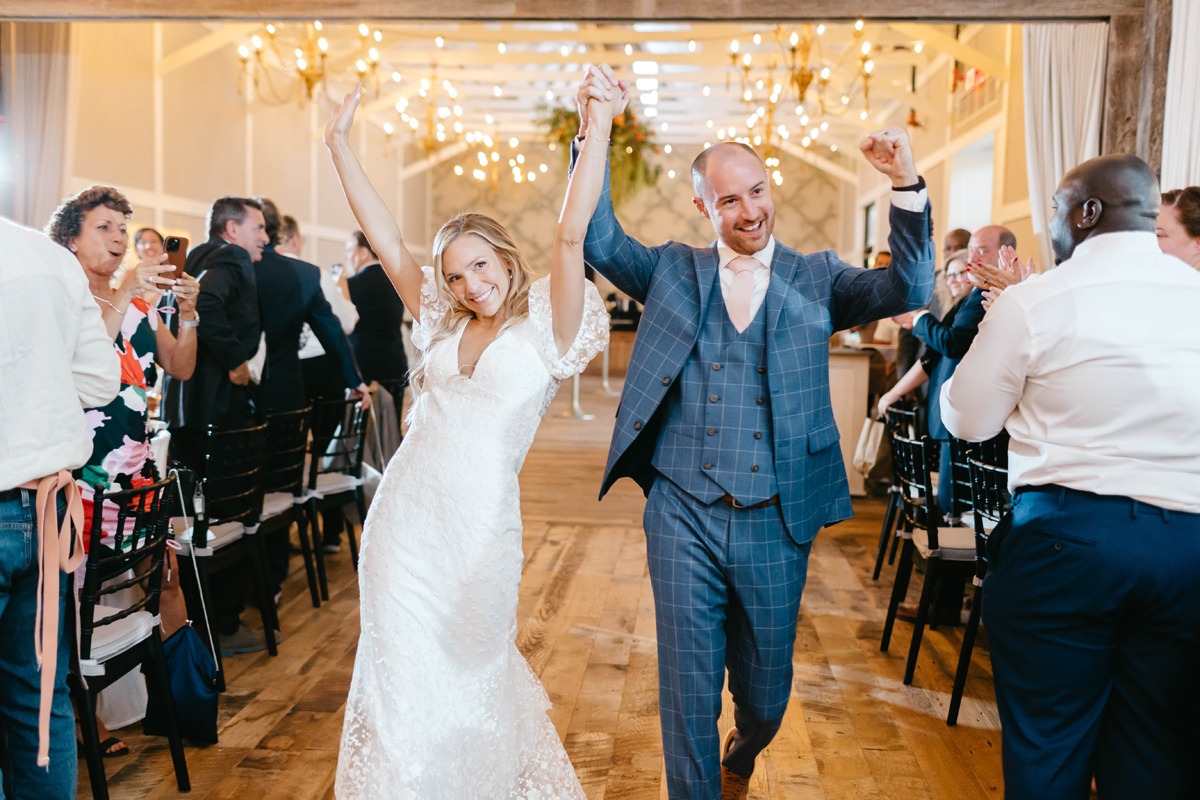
(733, 786)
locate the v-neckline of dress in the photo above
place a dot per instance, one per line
(458, 345)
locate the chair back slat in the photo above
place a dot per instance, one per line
(990, 497)
(339, 439)
(233, 466)
(287, 443)
(902, 418)
(140, 536)
(961, 451)
(913, 458)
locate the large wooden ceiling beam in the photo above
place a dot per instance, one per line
(575, 10)
(932, 37)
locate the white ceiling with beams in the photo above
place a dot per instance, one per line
(694, 82)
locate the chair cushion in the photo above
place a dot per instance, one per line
(219, 535)
(112, 640)
(276, 503)
(334, 483)
(954, 544)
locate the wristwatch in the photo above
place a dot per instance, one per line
(190, 323)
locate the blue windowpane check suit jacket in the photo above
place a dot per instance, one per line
(809, 297)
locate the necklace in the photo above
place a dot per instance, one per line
(110, 305)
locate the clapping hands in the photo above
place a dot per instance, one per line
(994, 280)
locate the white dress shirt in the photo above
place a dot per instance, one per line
(909, 201)
(1094, 369)
(55, 358)
(343, 309)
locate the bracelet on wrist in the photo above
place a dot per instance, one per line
(194, 322)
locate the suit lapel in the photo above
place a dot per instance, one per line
(783, 272)
(707, 262)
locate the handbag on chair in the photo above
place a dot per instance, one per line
(866, 452)
(191, 676)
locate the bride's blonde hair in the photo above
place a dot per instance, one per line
(521, 276)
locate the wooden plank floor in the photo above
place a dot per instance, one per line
(853, 730)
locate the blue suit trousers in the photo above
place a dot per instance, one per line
(727, 585)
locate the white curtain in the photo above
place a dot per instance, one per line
(1181, 120)
(1064, 91)
(35, 62)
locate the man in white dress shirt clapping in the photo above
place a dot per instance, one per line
(1092, 598)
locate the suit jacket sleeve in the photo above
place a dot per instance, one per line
(954, 339)
(328, 330)
(863, 295)
(626, 262)
(219, 285)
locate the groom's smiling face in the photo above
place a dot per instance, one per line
(735, 196)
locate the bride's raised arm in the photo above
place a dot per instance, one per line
(583, 191)
(373, 215)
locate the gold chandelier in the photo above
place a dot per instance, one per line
(306, 68)
(805, 80)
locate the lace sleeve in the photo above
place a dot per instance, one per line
(433, 309)
(591, 339)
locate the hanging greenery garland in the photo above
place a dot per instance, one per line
(632, 142)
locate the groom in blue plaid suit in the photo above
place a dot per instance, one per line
(726, 424)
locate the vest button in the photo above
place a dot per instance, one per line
(637, 426)
(759, 401)
(708, 465)
(711, 431)
(757, 435)
(666, 381)
(761, 370)
(712, 398)
(754, 468)
(716, 365)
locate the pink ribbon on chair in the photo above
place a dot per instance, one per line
(59, 548)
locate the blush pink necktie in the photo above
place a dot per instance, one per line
(742, 290)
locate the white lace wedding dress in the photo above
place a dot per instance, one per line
(442, 704)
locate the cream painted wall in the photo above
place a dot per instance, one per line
(174, 143)
(937, 141)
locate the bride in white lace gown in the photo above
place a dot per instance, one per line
(442, 704)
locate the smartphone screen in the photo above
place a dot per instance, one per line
(176, 248)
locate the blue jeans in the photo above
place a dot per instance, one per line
(20, 677)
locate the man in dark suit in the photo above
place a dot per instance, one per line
(219, 391)
(377, 339)
(725, 421)
(289, 295)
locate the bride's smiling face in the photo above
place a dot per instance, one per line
(476, 275)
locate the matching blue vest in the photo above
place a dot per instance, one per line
(716, 435)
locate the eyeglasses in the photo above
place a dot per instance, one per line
(950, 275)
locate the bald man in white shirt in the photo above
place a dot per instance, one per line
(1093, 592)
(55, 359)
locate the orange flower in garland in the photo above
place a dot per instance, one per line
(632, 142)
